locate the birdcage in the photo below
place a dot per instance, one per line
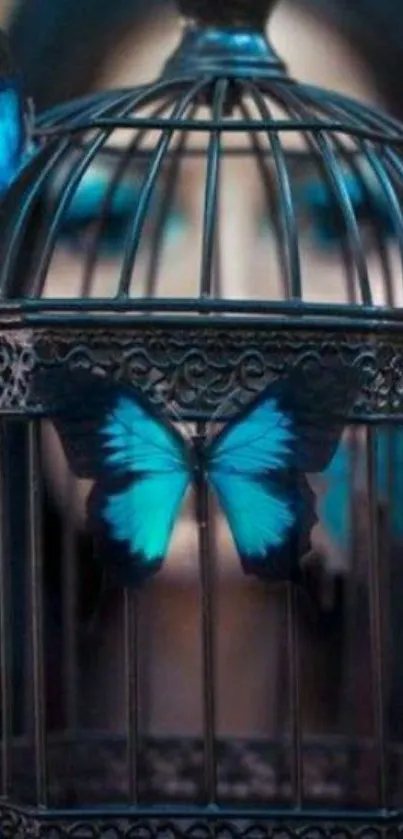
(206, 356)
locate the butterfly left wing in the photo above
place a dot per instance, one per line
(139, 462)
(256, 467)
(133, 520)
(141, 513)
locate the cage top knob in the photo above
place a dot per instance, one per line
(227, 38)
(251, 14)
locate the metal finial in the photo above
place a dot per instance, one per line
(226, 37)
(252, 14)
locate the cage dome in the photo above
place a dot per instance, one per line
(224, 92)
(223, 95)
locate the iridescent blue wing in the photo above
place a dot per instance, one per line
(16, 121)
(256, 467)
(139, 460)
(140, 514)
(12, 132)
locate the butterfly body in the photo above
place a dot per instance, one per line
(198, 458)
(143, 467)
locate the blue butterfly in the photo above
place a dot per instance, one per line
(143, 467)
(15, 121)
(13, 132)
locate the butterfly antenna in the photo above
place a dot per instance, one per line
(219, 411)
(173, 407)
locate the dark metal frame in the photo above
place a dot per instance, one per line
(229, 349)
(197, 364)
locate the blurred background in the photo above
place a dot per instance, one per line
(4, 9)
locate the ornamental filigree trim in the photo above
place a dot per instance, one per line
(17, 361)
(204, 368)
(17, 825)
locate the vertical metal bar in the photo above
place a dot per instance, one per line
(295, 694)
(70, 184)
(217, 261)
(269, 186)
(377, 165)
(385, 267)
(355, 455)
(211, 192)
(157, 158)
(208, 663)
(132, 683)
(288, 222)
(164, 208)
(37, 614)
(127, 157)
(333, 177)
(5, 625)
(376, 623)
(69, 600)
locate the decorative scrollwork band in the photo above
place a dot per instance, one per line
(203, 368)
(20, 825)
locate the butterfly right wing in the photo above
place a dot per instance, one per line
(269, 506)
(140, 463)
(257, 467)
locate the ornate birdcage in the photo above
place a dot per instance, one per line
(223, 94)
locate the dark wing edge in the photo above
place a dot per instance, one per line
(321, 406)
(128, 567)
(123, 567)
(283, 562)
(77, 402)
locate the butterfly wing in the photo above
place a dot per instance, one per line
(16, 121)
(12, 132)
(78, 403)
(140, 463)
(133, 521)
(256, 467)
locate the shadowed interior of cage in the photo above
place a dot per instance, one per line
(331, 741)
(331, 734)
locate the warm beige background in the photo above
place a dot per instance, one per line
(5, 6)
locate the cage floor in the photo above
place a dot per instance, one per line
(85, 770)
